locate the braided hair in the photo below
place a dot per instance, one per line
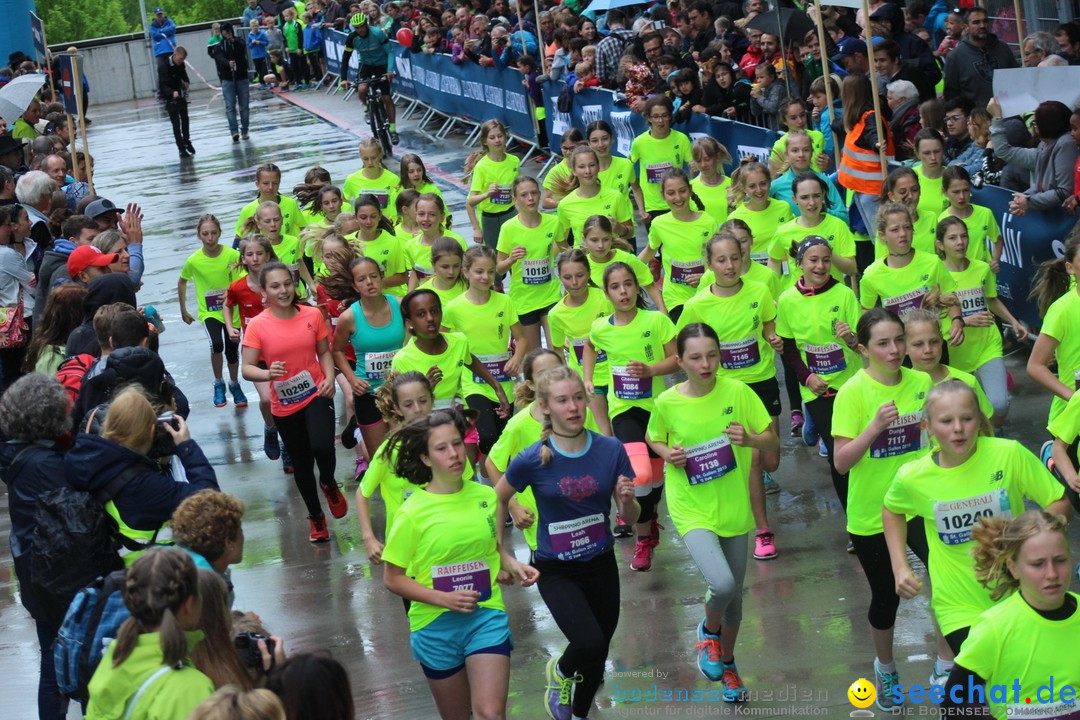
(158, 583)
(544, 383)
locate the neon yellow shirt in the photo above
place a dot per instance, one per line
(574, 210)
(809, 321)
(653, 157)
(712, 492)
(932, 200)
(445, 296)
(393, 489)
(641, 270)
(618, 176)
(557, 176)
(292, 220)
(836, 231)
(983, 231)
(288, 251)
(972, 382)
(1062, 322)
(903, 289)
(682, 246)
(502, 173)
(389, 251)
(212, 277)
(1066, 426)
(923, 238)
(755, 271)
(974, 287)
(855, 407)
(488, 328)
(533, 284)
(382, 187)
(1012, 643)
(447, 542)
(570, 328)
(714, 197)
(452, 361)
(738, 321)
(763, 225)
(992, 483)
(643, 339)
(418, 255)
(779, 148)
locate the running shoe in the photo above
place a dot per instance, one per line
(734, 689)
(348, 434)
(885, 682)
(710, 651)
(771, 486)
(654, 534)
(622, 530)
(394, 138)
(238, 397)
(938, 678)
(850, 547)
(810, 434)
(797, 421)
(361, 467)
(286, 462)
(1045, 456)
(189, 146)
(764, 545)
(642, 555)
(339, 506)
(271, 446)
(558, 691)
(319, 533)
(822, 450)
(219, 393)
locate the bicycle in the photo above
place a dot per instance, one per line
(376, 112)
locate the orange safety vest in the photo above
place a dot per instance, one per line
(860, 169)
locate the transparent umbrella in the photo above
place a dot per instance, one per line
(15, 97)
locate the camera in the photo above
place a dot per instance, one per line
(247, 647)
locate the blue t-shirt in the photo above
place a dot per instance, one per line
(573, 496)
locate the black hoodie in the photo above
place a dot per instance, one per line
(103, 290)
(969, 70)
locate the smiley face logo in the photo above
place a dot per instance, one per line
(862, 693)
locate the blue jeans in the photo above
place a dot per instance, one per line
(236, 91)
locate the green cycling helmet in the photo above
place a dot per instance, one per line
(358, 20)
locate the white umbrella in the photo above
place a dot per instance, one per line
(15, 97)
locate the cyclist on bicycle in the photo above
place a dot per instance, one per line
(376, 57)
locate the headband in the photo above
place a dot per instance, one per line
(808, 242)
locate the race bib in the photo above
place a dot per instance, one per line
(761, 258)
(739, 354)
(955, 518)
(501, 196)
(901, 437)
(536, 271)
(296, 389)
(972, 300)
(575, 538)
(1076, 379)
(682, 270)
(825, 359)
(579, 351)
(494, 364)
(1049, 711)
(475, 575)
(627, 387)
(215, 299)
(377, 364)
(381, 194)
(709, 460)
(901, 304)
(294, 268)
(655, 171)
(422, 273)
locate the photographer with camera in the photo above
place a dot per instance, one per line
(120, 457)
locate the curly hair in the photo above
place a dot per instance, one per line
(207, 520)
(34, 408)
(386, 396)
(999, 541)
(410, 442)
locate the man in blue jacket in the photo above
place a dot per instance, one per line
(163, 37)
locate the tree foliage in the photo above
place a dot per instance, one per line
(70, 20)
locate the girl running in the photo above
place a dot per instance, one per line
(654, 152)
(443, 554)
(448, 281)
(810, 190)
(490, 321)
(379, 241)
(710, 184)
(640, 349)
(247, 297)
(986, 243)
(268, 182)
(751, 182)
(924, 344)
(968, 474)
(876, 429)
(493, 171)
(579, 576)
(815, 318)
(902, 186)
(794, 118)
(212, 268)
(526, 248)
(798, 162)
(743, 314)
(616, 173)
(434, 224)
(414, 175)
(930, 151)
(1058, 297)
(558, 180)
(599, 239)
(1027, 637)
(706, 430)
(976, 291)
(588, 198)
(306, 193)
(751, 270)
(906, 279)
(679, 237)
(292, 340)
(571, 320)
(373, 178)
(267, 222)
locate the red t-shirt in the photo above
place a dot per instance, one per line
(251, 303)
(334, 308)
(293, 342)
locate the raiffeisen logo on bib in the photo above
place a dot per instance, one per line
(1050, 701)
